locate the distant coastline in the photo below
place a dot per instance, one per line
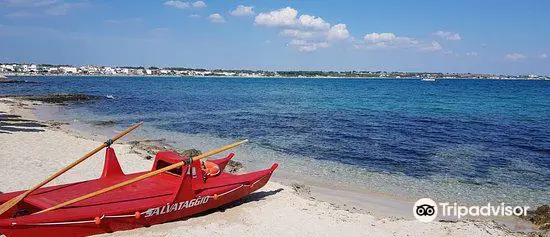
(233, 76)
(16, 69)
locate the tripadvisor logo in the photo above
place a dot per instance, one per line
(426, 210)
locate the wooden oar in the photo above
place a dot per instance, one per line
(142, 177)
(12, 202)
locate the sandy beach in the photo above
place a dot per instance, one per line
(32, 151)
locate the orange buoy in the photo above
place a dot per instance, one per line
(210, 168)
(97, 220)
(215, 196)
(137, 214)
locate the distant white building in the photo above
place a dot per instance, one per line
(71, 70)
(148, 71)
(33, 68)
(10, 68)
(23, 68)
(109, 70)
(89, 69)
(123, 70)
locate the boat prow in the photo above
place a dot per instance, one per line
(172, 195)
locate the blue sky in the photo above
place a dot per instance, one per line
(448, 36)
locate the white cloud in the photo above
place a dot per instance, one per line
(473, 54)
(243, 10)
(216, 18)
(288, 17)
(182, 5)
(300, 34)
(282, 17)
(448, 35)
(313, 22)
(388, 40)
(199, 4)
(382, 37)
(434, 46)
(514, 57)
(306, 46)
(177, 4)
(194, 16)
(543, 56)
(307, 32)
(338, 32)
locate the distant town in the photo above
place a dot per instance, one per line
(21, 69)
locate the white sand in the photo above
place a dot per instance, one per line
(29, 157)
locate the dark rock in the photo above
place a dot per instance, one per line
(104, 123)
(58, 98)
(190, 153)
(56, 124)
(540, 217)
(301, 189)
(6, 81)
(234, 166)
(147, 147)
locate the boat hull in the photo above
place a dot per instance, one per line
(109, 224)
(194, 196)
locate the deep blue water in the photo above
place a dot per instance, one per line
(485, 132)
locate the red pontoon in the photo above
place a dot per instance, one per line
(168, 196)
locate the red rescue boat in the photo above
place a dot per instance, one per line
(168, 196)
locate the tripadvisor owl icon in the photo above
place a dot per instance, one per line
(425, 210)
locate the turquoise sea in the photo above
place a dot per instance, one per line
(462, 140)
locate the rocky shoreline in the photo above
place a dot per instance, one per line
(60, 99)
(145, 148)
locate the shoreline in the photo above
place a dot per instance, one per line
(317, 196)
(269, 77)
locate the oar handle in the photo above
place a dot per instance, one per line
(142, 177)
